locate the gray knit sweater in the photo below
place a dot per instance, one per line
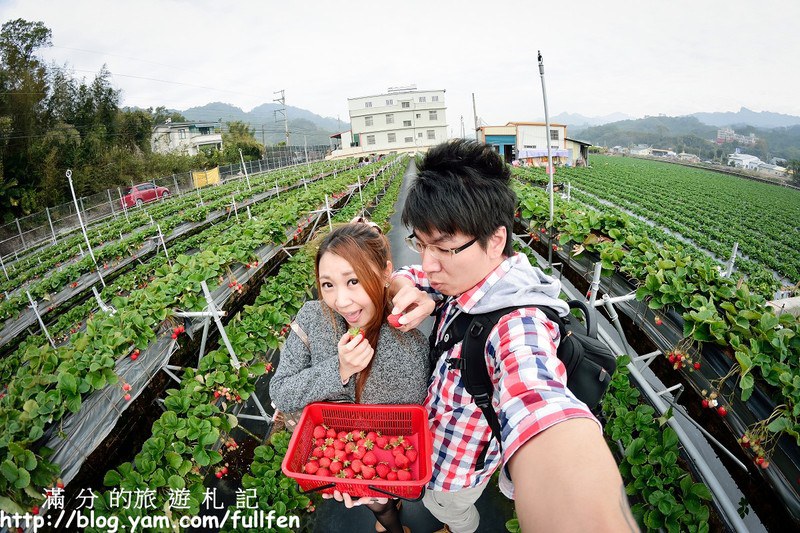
(399, 373)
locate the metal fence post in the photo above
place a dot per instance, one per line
(111, 203)
(175, 181)
(21, 236)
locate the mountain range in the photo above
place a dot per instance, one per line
(268, 124)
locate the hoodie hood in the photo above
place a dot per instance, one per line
(521, 285)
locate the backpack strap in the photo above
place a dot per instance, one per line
(475, 375)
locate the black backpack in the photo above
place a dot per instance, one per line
(589, 362)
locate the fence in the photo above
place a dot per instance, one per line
(54, 223)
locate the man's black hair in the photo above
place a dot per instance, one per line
(462, 186)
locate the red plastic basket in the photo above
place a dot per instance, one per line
(411, 421)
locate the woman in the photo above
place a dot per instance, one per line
(320, 361)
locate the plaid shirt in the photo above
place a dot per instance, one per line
(529, 381)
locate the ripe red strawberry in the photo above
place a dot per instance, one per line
(397, 450)
(324, 472)
(722, 411)
(219, 475)
(324, 462)
(350, 447)
(60, 484)
(224, 470)
(356, 465)
(355, 331)
(338, 445)
(403, 475)
(126, 387)
(368, 472)
(318, 452)
(382, 443)
(329, 452)
(382, 469)
(336, 467)
(370, 459)
(319, 442)
(331, 433)
(348, 473)
(697, 366)
(391, 476)
(343, 436)
(359, 452)
(705, 403)
(411, 454)
(134, 356)
(658, 321)
(765, 465)
(394, 320)
(401, 461)
(35, 509)
(372, 436)
(127, 397)
(340, 455)
(319, 432)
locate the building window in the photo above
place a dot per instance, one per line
(419, 135)
(419, 115)
(367, 104)
(405, 105)
(406, 123)
(421, 99)
(389, 102)
(553, 135)
(409, 139)
(390, 118)
(431, 134)
(370, 139)
(368, 120)
(182, 134)
(434, 98)
(392, 137)
(433, 115)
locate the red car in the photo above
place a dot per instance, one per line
(141, 193)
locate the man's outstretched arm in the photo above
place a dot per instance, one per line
(565, 479)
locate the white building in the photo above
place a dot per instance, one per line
(402, 120)
(745, 161)
(185, 137)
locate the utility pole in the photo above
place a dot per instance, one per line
(475, 116)
(462, 126)
(549, 160)
(282, 111)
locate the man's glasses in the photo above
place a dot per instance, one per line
(438, 253)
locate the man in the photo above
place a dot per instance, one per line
(461, 210)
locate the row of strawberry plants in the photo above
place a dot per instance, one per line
(759, 277)
(38, 262)
(72, 320)
(697, 204)
(254, 333)
(169, 215)
(88, 363)
(763, 345)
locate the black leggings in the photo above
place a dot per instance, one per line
(388, 515)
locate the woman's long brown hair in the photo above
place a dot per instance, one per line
(368, 251)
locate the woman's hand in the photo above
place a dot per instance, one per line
(350, 503)
(416, 305)
(354, 355)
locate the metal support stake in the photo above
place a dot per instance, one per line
(612, 314)
(175, 181)
(163, 244)
(360, 195)
(213, 309)
(124, 207)
(595, 285)
(235, 210)
(249, 216)
(4, 269)
(80, 249)
(50, 220)
(277, 190)
(729, 268)
(328, 212)
(244, 168)
(200, 196)
(103, 307)
(111, 203)
(83, 228)
(35, 307)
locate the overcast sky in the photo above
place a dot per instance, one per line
(634, 57)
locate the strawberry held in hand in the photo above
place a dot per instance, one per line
(355, 331)
(394, 320)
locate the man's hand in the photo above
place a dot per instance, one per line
(415, 305)
(350, 503)
(354, 355)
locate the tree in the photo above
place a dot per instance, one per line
(794, 169)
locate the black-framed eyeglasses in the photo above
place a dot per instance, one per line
(437, 251)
